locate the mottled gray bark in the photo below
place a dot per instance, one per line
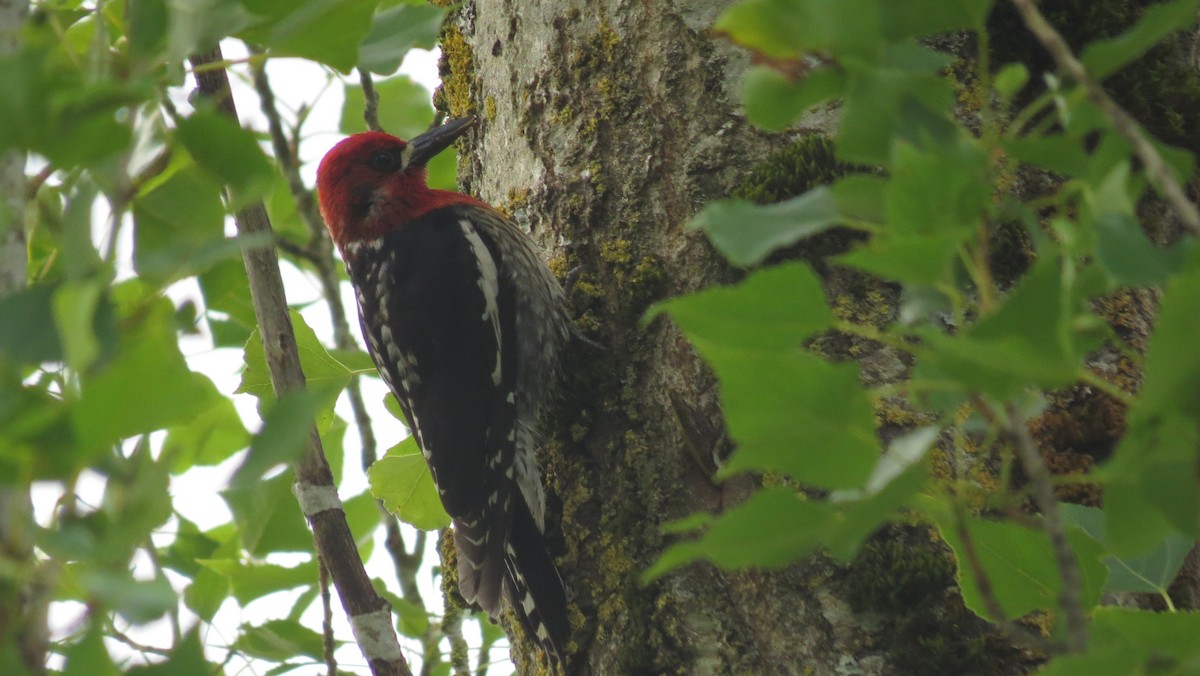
(604, 127)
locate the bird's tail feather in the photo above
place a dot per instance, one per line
(535, 589)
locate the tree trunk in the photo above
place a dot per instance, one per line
(605, 126)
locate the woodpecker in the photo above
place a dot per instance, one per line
(465, 324)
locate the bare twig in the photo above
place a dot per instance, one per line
(370, 100)
(320, 253)
(1071, 595)
(367, 611)
(327, 619)
(1122, 121)
(452, 628)
(988, 595)
(982, 582)
(140, 647)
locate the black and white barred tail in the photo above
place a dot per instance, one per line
(465, 324)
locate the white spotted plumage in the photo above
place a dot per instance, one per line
(465, 324)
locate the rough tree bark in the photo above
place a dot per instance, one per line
(604, 127)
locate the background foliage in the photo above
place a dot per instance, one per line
(951, 143)
(941, 137)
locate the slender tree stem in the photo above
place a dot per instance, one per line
(1122, 122)
(367, 611)
(1071, 595)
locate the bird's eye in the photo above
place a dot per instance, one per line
(384, 160)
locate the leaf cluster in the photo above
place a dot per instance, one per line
(953, 159)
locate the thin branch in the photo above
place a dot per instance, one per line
(1122, 121)
(320, 253)
(327, 619)
(370, 100)
(982, 582)
(160, 572)
(367, 611)
(987, 594)
(485, 659)
(1071, 595)
(140, 647)
(452, 628)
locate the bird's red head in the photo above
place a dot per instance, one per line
(372, 183)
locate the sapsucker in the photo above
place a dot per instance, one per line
(465, 324)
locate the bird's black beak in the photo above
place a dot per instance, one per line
(434, 141)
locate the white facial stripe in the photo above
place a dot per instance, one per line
(489, 284)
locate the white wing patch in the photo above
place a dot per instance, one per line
(489, 284)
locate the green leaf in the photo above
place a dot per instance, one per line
(1129, 641)
(179, 226)
(362, 515)
(1129, 258)
(189, 546)
(1102, 661)
(788, 410)
(148, 25)
(405, 108)
(227, 290)
(146, 387)
(774, 28)
(1152, 572)
(322, 371)
(1104, 57)
(914, 18)
(252, 581)
(136, 601)
(396, 30)
(903, 100)
(1059, 153)
(88, 656)
(746, 233)
(938, 191)
(139, 501)
(283, 438)
(207, 439)
(1039, 336)
(29, 334)
(914, 259)
(75, 305)
(326, 31)
(1152, 479)
(781, 29)
(442, 171)
(777, 526)
(209, 588)
(773, 100)
(1172, 364)
(1019, 563)
(196, 26)
(187, 659)
(414, 620)
(772, 309)
(280, 640)
(231, 154)
(402, 480)
(793, 412)
(1011, 79)
(268, 517)
(1163, 635)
